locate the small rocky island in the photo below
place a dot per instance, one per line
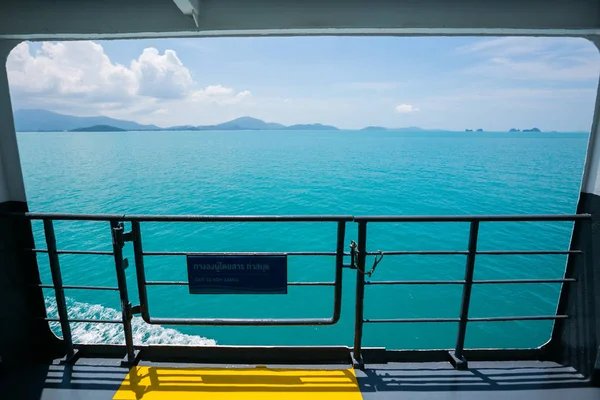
(374, 129)
(99, 128)
(311, 127)
(525, 130)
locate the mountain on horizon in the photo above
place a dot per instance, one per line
(248, 123)
(35, 120)
(99, 128)
(312, 127)
(242, 123)
(38, 120)
(255, 124)
(372, 128)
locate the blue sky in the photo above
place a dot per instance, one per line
(350, 82)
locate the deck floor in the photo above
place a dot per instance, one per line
(92, 379)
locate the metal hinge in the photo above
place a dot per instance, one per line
(120, 237)
(128, 236)
(132, 310)
(136, 309)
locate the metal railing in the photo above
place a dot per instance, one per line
(337, 282)
(458, 354)
(358, 254)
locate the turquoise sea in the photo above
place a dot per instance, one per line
(311, 172)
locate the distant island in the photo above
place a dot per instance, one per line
(374, 129)
(33, 120)
(252, 124)
(98, 128)
(525, 130)
(36, 120)
(311, 127)
(238, 124)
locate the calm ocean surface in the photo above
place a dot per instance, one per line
(312, 172)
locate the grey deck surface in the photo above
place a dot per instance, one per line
(100, 378)
(483, 380)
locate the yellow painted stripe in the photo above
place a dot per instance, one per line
(149, 383)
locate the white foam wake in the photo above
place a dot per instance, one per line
(143, 333)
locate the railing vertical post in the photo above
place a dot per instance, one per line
(588, 290)
(117, 236)
(61, 303)
(339, 266)
(458, 357)
(360, 292)
(139, 267)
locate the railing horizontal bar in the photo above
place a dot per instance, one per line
(87, 321)
(294, 218)
(179, 218)
(238, 218)
(185, 283)
(461, 282)
(526, 252)
(483, 319)
(91, 252)
(75, 287)
(63, 216)
(470, 218)
(464, 252)
(238, 253)
(408, 320)
(501, 281)
(419, 253)
(311, 283)
(426, 282)
(242, 322)
(522, 318)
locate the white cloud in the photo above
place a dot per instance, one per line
(80, 78)
(220, 95)
(530, 58)
(76, 69)
(217, 90)
(161, 76)
(243, 95)
(406, 108)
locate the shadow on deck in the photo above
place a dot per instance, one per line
(105, 379)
